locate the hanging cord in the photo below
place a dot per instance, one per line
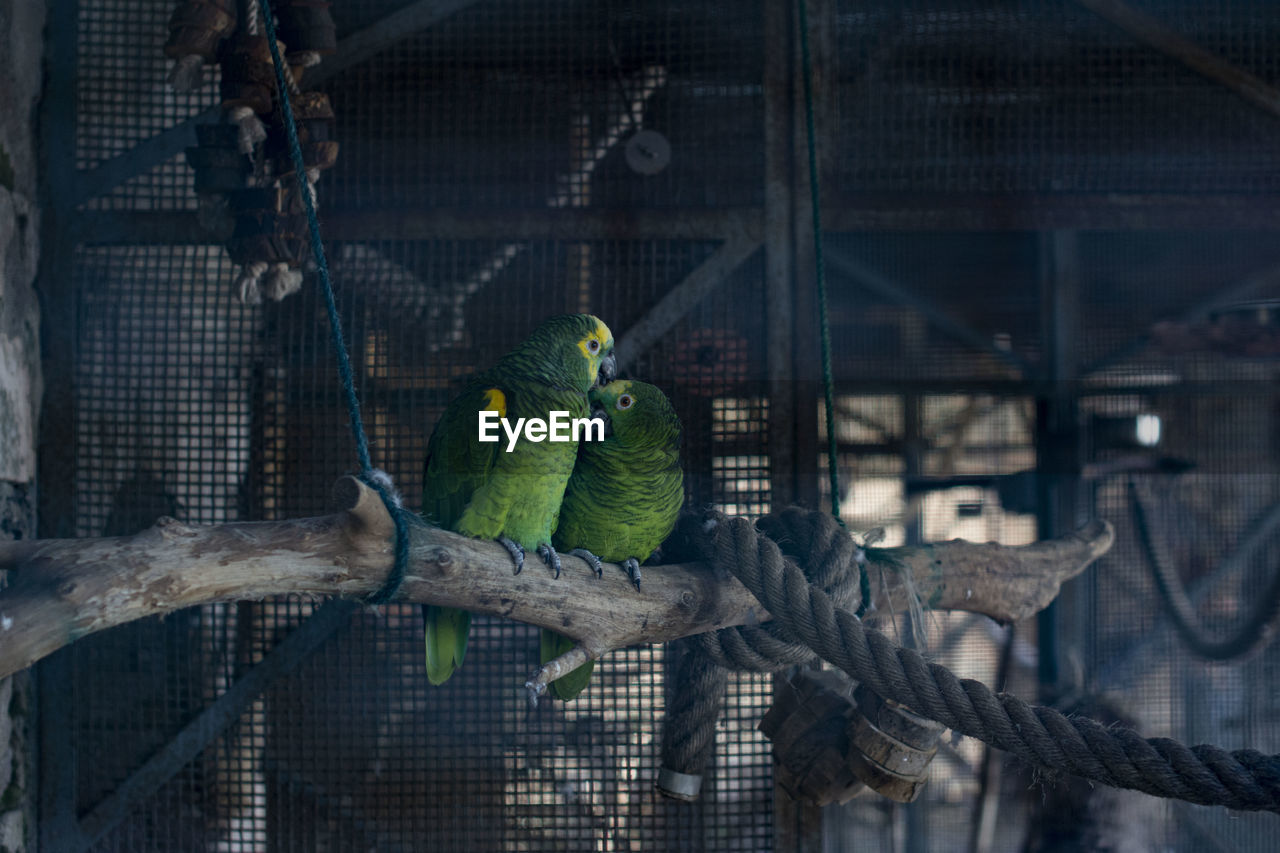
(1256, 630)
(375, 479)
(815, 199)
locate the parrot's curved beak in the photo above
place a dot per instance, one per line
(598, 413)
(608, 370)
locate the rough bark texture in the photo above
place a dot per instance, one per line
(21, 46)
(64, 589)
(1003, 582)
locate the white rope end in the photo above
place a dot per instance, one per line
(252, 131)
(383, 479)
(281, 281)
(187, 73)
(249, 283)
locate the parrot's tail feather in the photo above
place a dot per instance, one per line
(445, 640)
(568, 686)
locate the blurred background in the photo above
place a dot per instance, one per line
(1049, 239)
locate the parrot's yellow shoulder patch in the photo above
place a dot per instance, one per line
(495, 401)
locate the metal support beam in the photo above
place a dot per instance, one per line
(386, 32)
(59, 332)
(140, 228)
(779, 271)
(565, 224)
(790, 288)
(57, 831)
(1101, 211)
(683, 297)
(57, 768)
(807, 346)
(141, 158)
(200, 732)
(1248, 287)
(1057, 427)
(1151, 31)
(352, 50)
(562, 224)
(840, 262)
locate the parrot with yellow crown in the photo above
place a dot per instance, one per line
(509, 492)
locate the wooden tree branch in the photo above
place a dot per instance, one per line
(1004, 582)
(64, 589)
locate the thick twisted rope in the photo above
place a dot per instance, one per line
(688, 734)
(1241, 779)
(689, 726)
(826, 551)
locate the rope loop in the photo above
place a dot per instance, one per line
(733, 546)
(380, 482)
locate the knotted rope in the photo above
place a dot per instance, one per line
(1242, 779)
(703, 671)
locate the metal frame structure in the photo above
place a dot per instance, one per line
(781, 227)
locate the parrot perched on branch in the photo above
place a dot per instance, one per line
(509, 489)
(623, 498)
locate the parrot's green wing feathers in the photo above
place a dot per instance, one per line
(567, 686)
(457, 461)
(624, 496)
(446, 641)
(457, 464)
(626, 491)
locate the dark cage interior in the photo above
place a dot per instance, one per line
(1050, 248)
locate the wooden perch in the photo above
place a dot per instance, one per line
(64, 589)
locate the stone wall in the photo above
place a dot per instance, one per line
(21, 44)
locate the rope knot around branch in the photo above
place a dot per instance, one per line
(809, 620)
(735, 548)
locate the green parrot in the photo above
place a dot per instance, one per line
(509, 489)
(623, 498)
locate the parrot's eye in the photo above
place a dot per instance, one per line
(625, 401)
(594, 346)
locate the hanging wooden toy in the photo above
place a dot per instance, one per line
(244, 177)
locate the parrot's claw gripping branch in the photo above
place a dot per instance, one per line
(592, 560)
(550, 557)
(632, 565)
(63, 589)
(515, 550)
(550, 671)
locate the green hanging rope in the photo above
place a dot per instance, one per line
(377, 480)
(828, 384)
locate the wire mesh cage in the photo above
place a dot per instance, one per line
(1002, 326)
